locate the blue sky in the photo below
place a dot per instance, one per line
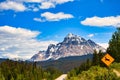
(49, 21)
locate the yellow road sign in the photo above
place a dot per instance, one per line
(107, 59)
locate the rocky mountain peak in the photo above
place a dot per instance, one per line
(70, 35)
(72, 45)
(73, 39)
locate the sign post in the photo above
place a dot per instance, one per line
(107, 60)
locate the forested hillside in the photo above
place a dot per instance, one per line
(13, 70)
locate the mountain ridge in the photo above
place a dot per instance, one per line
(72, 45)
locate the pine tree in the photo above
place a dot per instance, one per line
(96, 58)
(114, 46)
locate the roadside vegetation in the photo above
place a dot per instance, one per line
(96, 69)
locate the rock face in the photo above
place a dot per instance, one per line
(72, 45)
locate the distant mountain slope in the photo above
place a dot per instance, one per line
(72, 45)
(2, 59)
(65, 64)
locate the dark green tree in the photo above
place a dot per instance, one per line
(96, 58)
(114, 46)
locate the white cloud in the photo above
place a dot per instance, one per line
(39, 20)
(61, 1)
(40, 1)
(11, 5)
(90, 35)
(102, 21)
(32, 1)
(20, 42)
(32, 7)
(48, 16)
(104, 45)
(17, 32)
(35, 9)
(47, 5)
(11, 56)
(18, 5)
(52, 3)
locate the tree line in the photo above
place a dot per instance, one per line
(14, 70)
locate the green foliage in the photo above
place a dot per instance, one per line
(115, 66)
(95, 70)
(13, 70)
(96, 73)
(76, 71)
(97, 56)
(52, 73)
(114, 46)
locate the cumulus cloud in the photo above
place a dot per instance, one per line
(104, 45)
(20, 42)
(11, 5)
(90, 35)
(48, 16)
(102, 21)
(18, 5)
(52, 3)
(47, 5)
(61, 1)
(32, 7)
(32, 1)
(35, 9)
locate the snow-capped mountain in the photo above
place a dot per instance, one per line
(72, 45)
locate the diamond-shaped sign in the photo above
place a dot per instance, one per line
(107, 59)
